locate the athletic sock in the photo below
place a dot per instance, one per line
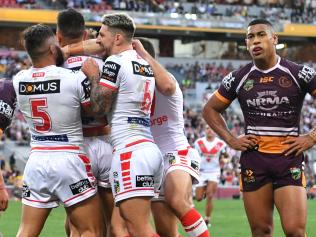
(194, 224)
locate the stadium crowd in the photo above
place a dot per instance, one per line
(298, 11)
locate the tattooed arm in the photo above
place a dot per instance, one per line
(100, 97)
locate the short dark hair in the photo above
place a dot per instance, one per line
(70, 23)
(120, 21)
(35, 38)
(148, 46)
(260, 21)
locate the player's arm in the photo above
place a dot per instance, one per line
(298, 145)
(4, 197)
(87, 47)
(165, 84)
(212, 115)
(100, 97)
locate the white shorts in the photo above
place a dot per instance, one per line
(51, 177)
(136, 171)
(187, 159)
(99, 151)
(211, 176)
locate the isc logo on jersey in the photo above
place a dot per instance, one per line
(37, 88)
(143, 70)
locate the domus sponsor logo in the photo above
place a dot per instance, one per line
(38, 88)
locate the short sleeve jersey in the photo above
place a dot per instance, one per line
(271, 100)
(167, 123)
(75, 63)
(50, 99)
(133, 80)
(7, 102)
(209, 152)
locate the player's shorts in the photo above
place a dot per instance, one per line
(51, 177)
(99, 151)
(208, 176)
(186, 159)
(258, 169)
(136, 171)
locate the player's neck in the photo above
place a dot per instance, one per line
(43, 63)
(120, 49)
(210, 139)
(267, 63)
(68, 41)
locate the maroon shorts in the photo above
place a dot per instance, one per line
(258, 169)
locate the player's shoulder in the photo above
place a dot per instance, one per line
(21, 74)
(301, 72)
(234, 77)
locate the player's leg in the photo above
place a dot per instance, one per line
(70, 228)
(210, 192)
(108, 204)
(166, 222)
(200, 192)
(86, 217)
(259, 209)
(32, 221)
(291, 203)
(118, 226)
(136, 214)
(136, 173)
(178, 186)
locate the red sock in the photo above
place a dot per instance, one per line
(156, 235)
(194, 224)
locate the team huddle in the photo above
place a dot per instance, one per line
(106, 122)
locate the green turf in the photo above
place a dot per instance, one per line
(229, 220)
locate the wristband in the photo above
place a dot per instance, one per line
(312, 134)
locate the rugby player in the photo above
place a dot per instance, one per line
(181, 162)
(211, 150)
(270, 91)
(71, 29)
(7, 107)
(126, 89)
(58, 170)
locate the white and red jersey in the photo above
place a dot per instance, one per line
(133, 79)
(209, 152)
(75, 63)
(167, 123)
(50, 99)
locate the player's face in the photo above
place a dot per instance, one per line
(209, 132)
(106, 40)
(260, 41)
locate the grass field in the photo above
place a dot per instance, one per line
(229, 220)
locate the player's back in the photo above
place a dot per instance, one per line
(50, 99)
(167, 123)
(88, 121)
(133, 78)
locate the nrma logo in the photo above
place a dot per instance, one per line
(38, 88)
(268, 100)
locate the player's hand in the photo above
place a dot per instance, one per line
(139, 48)
(298, 144)
(4, 199)
(91, 69)
(243, 142)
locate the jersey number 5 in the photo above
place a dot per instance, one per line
(38, 112)
(146, 103)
